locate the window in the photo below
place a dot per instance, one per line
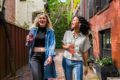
(100, 4)
(96, 6)
(22, 0)
(45, 0)
(34, 14)
(105, 43)
(104, 3)
(90, 8)
(106, 40)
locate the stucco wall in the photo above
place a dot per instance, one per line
(24, 10)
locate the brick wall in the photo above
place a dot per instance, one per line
(110, 18)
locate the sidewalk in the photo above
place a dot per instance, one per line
(25, 74)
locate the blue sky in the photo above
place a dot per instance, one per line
(62, 0)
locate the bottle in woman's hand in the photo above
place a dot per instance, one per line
(71, 49)
(29, 38)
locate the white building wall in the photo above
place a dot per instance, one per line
(24, 10)
(1, 1)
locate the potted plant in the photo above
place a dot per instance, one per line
(105, 68)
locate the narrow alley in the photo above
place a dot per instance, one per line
(25, 74)
(18, 16)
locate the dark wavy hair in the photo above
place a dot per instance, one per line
(85, 25)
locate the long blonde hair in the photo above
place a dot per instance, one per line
(49, 23)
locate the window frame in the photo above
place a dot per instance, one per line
(103, 50)
(91, 8)
(98, 7)
(106, 40)
(34, 14)
(102, 7)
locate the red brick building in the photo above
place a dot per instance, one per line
(106, 30)
(104, 16)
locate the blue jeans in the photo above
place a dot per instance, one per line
(72, 68)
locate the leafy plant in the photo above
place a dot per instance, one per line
(60, 15)
(76, 2)
(104, 61)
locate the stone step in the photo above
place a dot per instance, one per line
(113, 78)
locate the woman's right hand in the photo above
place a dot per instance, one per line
(71, 49)
(86, 70)
(29, 37)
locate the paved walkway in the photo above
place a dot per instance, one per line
(25, 74)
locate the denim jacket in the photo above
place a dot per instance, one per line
(49, 46)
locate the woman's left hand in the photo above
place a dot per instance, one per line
(49, 60)
(86, 70)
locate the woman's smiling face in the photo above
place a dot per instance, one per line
(42, 21)
(75, 22)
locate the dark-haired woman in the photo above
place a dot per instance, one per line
(76, 44)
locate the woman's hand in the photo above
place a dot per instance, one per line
(71, 49)
(29, 37)
(86, 70)
(49, 60)
(85, 57)
(65, 46)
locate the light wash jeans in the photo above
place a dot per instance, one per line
(72, 69)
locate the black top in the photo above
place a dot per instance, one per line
(40, 37)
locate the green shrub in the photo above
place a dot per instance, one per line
(104, 61)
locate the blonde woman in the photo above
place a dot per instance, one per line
(41, 43)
